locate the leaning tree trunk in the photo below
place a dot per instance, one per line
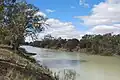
(15, 43)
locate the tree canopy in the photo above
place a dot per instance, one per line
(18, 20)
(107, 44)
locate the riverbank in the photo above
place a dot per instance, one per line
(105, 45)
(19, 66)
(78, 50)
(88, 67)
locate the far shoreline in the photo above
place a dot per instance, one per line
(81, 51)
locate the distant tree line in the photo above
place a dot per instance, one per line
(107, 44)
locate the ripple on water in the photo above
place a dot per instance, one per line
(61, 63)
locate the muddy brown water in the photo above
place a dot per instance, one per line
(89, 67)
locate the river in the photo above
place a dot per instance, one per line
(89, 67)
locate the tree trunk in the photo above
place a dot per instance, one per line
(15, 45)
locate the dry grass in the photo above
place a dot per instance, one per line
(15, 67)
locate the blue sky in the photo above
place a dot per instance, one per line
(64, 11)
(75, 18)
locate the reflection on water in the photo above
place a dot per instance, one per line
(89, 67)
(61, 63)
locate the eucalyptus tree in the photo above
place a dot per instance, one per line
(71, 44)
(19, 19)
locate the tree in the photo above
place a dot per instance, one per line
(71, 44)
(1, 5)
(86, 40)
(19, 19)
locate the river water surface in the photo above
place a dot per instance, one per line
(89, 67)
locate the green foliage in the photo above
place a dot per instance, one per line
(18, 19)
(107, 44)
(71, 44)
(1, 5)
(51, 42)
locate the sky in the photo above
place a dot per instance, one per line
(75, 18)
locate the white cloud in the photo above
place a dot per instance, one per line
(103, 29)
(60, 29)
(57, 29)
(113, 1)
(40, 13)
(83, 3)
(50, 11)
(103, 13)
(104, 17)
